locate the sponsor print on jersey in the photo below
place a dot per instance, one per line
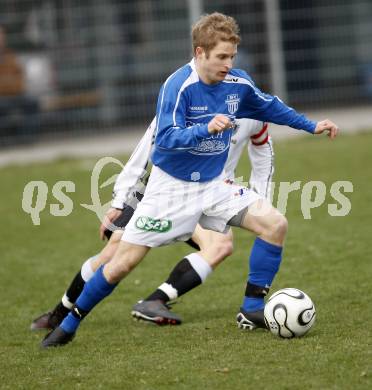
(198, 108)
(210, 146)
(215, 144)
(149, 224)
(232, 102)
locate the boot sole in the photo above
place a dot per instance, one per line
(159, 320)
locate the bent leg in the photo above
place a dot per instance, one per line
(188, 273)
(214, 246)
(89, 268)
(194, 268)
(266, 222)
(92, 264)
(126, 258)
(266, 254)
(103, 283)
(51, 319)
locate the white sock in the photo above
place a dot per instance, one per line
(66, 303)
(201, 267)
(87, 270)
(169, 290)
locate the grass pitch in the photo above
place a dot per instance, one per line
(327, 257)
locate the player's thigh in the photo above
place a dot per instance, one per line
(262, 218)
(209, 239)
(203, 237)
(227, 205)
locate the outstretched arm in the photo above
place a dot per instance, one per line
(267, 108)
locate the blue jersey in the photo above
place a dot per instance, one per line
(183, 146)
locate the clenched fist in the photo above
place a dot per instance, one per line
(219, 123)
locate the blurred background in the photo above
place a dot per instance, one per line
(91, 67)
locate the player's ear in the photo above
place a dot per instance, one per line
(199, 51)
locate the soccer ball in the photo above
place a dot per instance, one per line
(289, 313)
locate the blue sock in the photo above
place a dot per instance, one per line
(95, 290)
(264, 263)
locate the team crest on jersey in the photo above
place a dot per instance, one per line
(232, 102)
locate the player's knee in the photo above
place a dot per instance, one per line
(219, 251)
(277, 228)
(109, 250)
(126, 257)
(126, 267)
(115, 271)
(97, 262)
(226, 248)
(115, 237)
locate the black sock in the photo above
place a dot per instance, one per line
(61, 309)
(158, 295)
(76, 287)
(183, 278)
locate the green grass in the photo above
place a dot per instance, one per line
(328, 257)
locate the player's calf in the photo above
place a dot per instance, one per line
(266, 222)
(126, 258)
(277, 229)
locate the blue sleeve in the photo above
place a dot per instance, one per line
(172, 132)
(267, 108)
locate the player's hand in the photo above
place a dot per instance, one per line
(328, 126)
(109, 217)
(219, 123)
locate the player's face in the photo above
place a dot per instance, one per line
(214, 66)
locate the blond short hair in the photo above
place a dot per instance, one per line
(210, 29)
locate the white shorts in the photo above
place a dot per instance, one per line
(171, 208)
